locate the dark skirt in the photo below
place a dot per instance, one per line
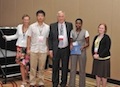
(101, 68)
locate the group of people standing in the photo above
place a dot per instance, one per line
(36, 41)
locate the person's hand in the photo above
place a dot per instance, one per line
(28, 52)
(96, 56)
(82, 48)
(71, 47)
(51, 53)
(4, 36)
(17, 60)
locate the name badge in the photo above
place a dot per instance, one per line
(61, 37)
(75, 43)
(41, 38)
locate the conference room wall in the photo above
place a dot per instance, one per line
(0, 11)
(92, 12)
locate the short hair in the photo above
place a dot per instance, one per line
(104, 26)
(60, 12)
(79, 19)
(40, 12)
(25, 15)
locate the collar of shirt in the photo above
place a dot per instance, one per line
(43, 24)
(59, 24)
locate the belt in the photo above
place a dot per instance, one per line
(105, 58)
(63, 47)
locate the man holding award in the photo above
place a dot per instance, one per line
(79, 43)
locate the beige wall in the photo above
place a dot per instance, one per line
(0, 11)
(92, 12)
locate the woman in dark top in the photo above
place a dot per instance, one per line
(101, 54)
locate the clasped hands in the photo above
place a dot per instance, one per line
(96, 56)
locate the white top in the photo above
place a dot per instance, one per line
(38, 35)
(21, 38)
(86, 34)
(65, 39)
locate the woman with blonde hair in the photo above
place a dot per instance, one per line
(21, 57)
(101, 55)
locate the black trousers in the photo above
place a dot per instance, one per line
(63, 56)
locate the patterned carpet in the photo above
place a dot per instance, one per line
(89, 81)
(16, 81)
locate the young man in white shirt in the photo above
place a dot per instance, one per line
(37, 48)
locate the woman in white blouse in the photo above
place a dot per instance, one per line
(21, 57)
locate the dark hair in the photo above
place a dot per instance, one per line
(25, 15)
(79, 19)
(104, 26)
(40, 12)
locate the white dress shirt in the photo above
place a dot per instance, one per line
(38, 35)
(21, 38)
(65, 39)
